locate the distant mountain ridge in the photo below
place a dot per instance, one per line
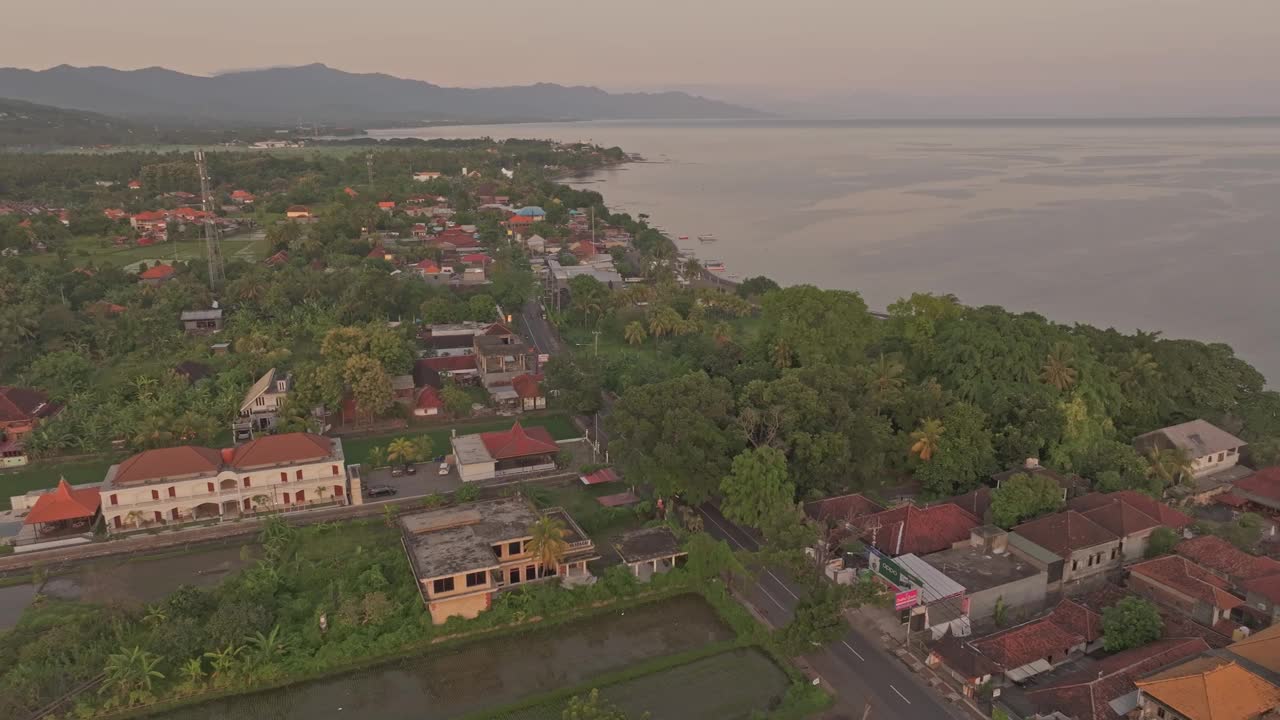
(319, 94)
(29, 124)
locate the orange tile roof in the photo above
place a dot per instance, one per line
(1064, 532)
(168, 463)
(909, 529)
(518, 442)
(1212, 688)
(1216, 554)
(1261, 648)
(429, 398)
(64, 503)
(1122, 518)
(19, 404)
(280, 449)
(159, 272)
(526, 386)
(1189, 579)
(1027, 643)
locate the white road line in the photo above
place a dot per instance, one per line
(774, 599)
(784, 585)
(855, 652)
(904, 697)
(732, 539)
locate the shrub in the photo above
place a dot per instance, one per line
(467, 493)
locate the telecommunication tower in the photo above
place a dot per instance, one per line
(213, 246)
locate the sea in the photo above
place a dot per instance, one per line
(1159, 225)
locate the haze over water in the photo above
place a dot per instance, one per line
(1167, 225)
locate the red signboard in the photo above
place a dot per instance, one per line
(906, 599)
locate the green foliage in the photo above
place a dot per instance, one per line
(964, 453)
(1161, 541)
(593, 707)
(1132, 622)
(1245, 532)
(467, 493)
(456, 401)
(1022, 497)
(756, 491)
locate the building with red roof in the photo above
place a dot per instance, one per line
(1030, 649)
(22, 410)
(918, 531)
(427, 267)
(1106, 690)
(428, 403)
(157, 275)
(242, 197)
(386, 205)
(1226, 560)
(64, 510)
(842, 515)
(528, 388)
(1262, 489)
(518, 451)
(181, 484)
(1084, 547)
(1176, 582)
(449, 365)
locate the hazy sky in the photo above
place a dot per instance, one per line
(923, 47)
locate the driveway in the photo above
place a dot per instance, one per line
(422, 483)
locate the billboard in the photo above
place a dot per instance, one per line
(906, 599)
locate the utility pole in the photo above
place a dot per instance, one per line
(597, 342)
(368, 164)
(213, 246)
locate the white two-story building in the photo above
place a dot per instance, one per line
(190, 483)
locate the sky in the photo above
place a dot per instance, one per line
(1105, 51)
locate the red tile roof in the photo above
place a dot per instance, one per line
(159, 272)
(150, 216)
(1263, 483)
(474, 258)
(449, 363)
(429, 398)
(427, 267)
(527, 385)
(520, 220)
(1267, 586)
(519, 442)
(497, 329)
(603, 475)
(1122, 519)
(1189, 579)
(386, 204)
(281, 449)
(1064, 532)
(1220, 556)
(1086, 695)
(843, 508)
(64, 503)
(1027, 643)
(909, 529)
(168, 463)
(1075, 617)
(19, 404)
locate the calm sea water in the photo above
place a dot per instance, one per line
(1171, 226)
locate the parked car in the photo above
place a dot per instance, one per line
(376, 491)
(397, 471)
(411, 469)
(444, 469)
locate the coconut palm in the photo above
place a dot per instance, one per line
(886, 379)
(635, 333)
(129, 675)
(1057, 370)
(924, 442)
(1168, 465)
(547, 544)
(402, 450)
(722, 332)
(1137, 368)
(663, 321)
(377, 457)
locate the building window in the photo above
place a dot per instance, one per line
(1114, 551)
(1221, 457)
(497, 550)
(513, 548)
(155, 494)
(248, 504)
(298, 475)
(475, 579)
(284, 477)
(246, 482)
(337, 490)
(286, 498)
(115, 499)
(159, 516)
(333, 469)
(209, 486)
(260, 401)
(443, 585)
(514, 577)
(173, 491)
(531, 572)
(302, 495)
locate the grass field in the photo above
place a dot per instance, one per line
(728, 686)
(357, 449)
(251, 247)
(45, 475)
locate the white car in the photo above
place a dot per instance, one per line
(444, 469)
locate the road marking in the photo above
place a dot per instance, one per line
(904, 697)
(732, 539)
(855, 652)
(774, 599)
(784, 585)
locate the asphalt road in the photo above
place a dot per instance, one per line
(858, 668)
(543, 336)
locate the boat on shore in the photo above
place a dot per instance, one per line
(707, 237)
(683, 237)
(714, 266)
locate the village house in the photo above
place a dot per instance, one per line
(908, 529)
(990, 574)
(1030, 649)
(157, 275)
(151, 222)
(242, 197)
(1214, 454)
(528, 389)
(1084, 547)
(1226, 560)
(428, 403)
(1261, 490)
(202, 322)
(21, 411)
(841, 516)
(434, 370)
(426, 175)
(650, 551)
(518, 451)
(1106, 690)
(60, 514)
(1206, 688)
(298, 212)
(1131, 516)
(501, 355)
(1176, 582)
(462, 556)
(190, 483)
(261, 405)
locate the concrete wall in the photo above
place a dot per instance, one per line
(465, 607)
(1135, 546)
(1027, 592)
(1160, 593)
(1217, 462)
(1091, 561)
(477, 471)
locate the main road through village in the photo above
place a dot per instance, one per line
(857, 668)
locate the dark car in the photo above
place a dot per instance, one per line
(411, 469)
(377, 491)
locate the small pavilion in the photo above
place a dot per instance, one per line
(650, 551)
(65, 511)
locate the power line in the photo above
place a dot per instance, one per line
(213, 245)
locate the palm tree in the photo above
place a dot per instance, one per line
(155, 615)
(1057, 370)
(1138, 368)
(722, 332)
(886, 379)
(130, 674)
(924, 442)
(692, 268)
(377, 457)
(1169, 465)
(635, 333)
(663, 321)
(402, 450)
(547, 543)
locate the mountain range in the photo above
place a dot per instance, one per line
(323, 95)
